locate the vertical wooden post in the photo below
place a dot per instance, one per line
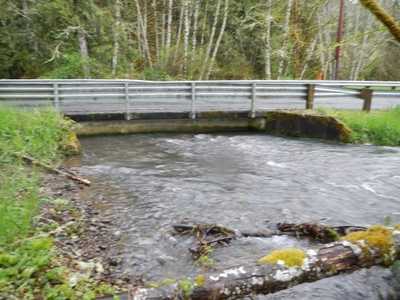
(127, 102)
(310, 96)
(56, 97)
(193, 103)
(253, 100)
(366, 94)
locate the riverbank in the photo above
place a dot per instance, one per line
(377, 127)
(40, 215)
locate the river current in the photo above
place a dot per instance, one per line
(246, 182)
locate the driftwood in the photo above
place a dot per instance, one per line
(318, 232)
(329, 260)
(67, 173)
(322, 233)
(208, 235)
(187, 229)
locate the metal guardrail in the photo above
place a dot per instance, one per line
(134, 96)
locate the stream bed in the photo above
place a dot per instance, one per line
(245, 182)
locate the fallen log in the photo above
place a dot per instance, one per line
(68, 174)
(319, 232)
(362, 249)
(322, 233)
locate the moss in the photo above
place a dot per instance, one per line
(376, 237)
(186, 287)
(292, 257)
(332, 234)
(200, 280)
(71, 146)
(205, 261)
(164, 282)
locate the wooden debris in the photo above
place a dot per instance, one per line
(318, 232)
(208, 235)
(328, 260)
(67, 174)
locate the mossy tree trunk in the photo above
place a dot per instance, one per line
(382, 15)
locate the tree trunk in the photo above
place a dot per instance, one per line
(186, 36)
(143, 34)
(163, 21)
(268, 47)
(169, 25)
(310, 54)
(382, 15)
(210, 42)
(285, 44)
(156, 30)
(179, 34)
(116, 34)
(204, 25)
(219, 39)
(238, 282)
(84, 51)
(195, 25)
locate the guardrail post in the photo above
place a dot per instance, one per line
(56, 100)
(127, 102)
(253, 100)
(193, 103)
(310, 96)
(366, 94)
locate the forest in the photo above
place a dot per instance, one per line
(195, 39)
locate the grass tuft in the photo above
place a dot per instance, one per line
(376, 127)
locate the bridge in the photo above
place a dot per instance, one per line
(128, 97)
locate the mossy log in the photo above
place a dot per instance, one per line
(329, 260)
(319, 232)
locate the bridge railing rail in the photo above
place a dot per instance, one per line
(135, 96)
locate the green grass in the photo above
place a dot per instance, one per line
(19, 200)
(376, 127)
(29, 266)
(38, 133)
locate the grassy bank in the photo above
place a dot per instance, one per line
(30, 267)
(376, 127)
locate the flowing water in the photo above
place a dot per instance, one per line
(240, 181)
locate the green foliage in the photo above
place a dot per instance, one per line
(377, 127)
(155, 74)
(69, 66)
(41, 39)
(18, 203)
(186, 286)
(29, 270)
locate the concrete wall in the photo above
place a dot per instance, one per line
(285, 123)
